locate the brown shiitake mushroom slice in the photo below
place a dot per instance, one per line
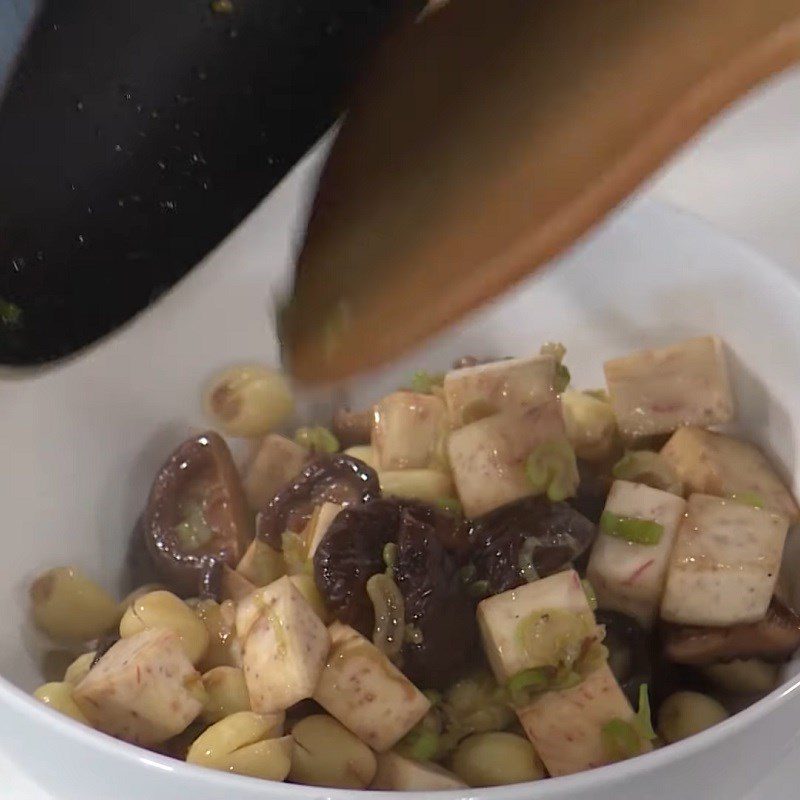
(197, 518)
(337, 478)
(773, 638)
(352, 427)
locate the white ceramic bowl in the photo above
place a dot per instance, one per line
(82, 441)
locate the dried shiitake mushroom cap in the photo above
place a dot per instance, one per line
(337, 478)
(197, 517)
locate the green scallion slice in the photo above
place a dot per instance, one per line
(478, 589)
(389, 554)
(747, 498)
(535, 679)
(423, 381)
(562, 378)
(620, 740)
(318, 439)
(643, 721)
(638, 531)
(450, 504)
(552, 469)
(527, 683)
(10, 314)
(591, 596)
(424, 745)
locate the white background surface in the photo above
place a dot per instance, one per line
(743, 175)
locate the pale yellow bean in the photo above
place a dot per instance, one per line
(219, 621)
(245, 743)
(162, 609)
(226, 693)
(135, 594)
(58, 695)
(684, 714)
(248, 400)
(476, 704)
(744, 677)
(496, 759)
(325, 753)
(70, 607)
(590, 423)
(79, 669)
(307, 587)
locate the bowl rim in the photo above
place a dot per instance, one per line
(560, 787)
(104, 745)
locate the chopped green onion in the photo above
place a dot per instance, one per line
(479, 589)
(525, 684)
(412, 634)
(390, 554)
(552, 469)
(10, 314)
(555, 350)
(450, 504)
(566, 679)
(598, 394)
(467, 573)
(295, 554)
(562, 378)
(423, 744)
(747, 498)
(423, 381)
(620, 740)
(643, 722)
(638, 531)
(193, 531)
(318, 439)
(591, 596)
(433, 697)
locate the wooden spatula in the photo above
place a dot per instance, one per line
(485, 139)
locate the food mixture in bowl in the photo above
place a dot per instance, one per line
(489, 577)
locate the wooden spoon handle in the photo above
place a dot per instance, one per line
(491, 136)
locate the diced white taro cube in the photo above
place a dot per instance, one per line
(499, 619)
(366, 692)
(565, 727)
(274, 464)
(724, 564)
(284, 646)
(408, 431)
(363, 452)
(427, 485)
(261, 564)
(657, 391)
(626, 576)
(712, 463)
(515, 385)
(488, 457)
(318, 525)
(399, 774)
(143, 690)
